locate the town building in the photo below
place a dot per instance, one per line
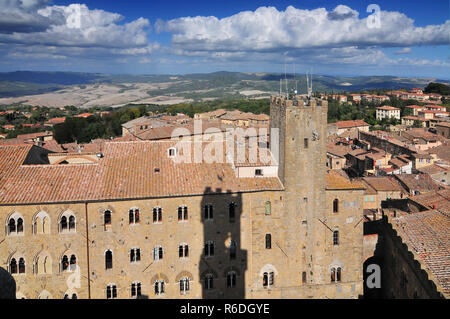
(133, 222)
(387, 112)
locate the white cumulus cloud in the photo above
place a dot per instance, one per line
(268, 29)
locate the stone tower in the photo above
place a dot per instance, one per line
(302, 169)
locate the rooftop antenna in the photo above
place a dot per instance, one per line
(308, 85)
(295, 81)
(285, 81)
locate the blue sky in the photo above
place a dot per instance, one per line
(173, 37)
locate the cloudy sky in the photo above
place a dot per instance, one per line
(406, 38)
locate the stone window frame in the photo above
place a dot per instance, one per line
(207, 248)
(184, 210)
(109, 265)
(67, 214)
(231, 279)
(184, 285)
(159, 212)
(15, 216)
(185, 250)
(158, 252)
(160, 286)
(208, 214)
(137, 255)
(134, 212)
(113, 288)
(336, 237)
(137, 289)
(42, 215)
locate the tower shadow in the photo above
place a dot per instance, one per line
(223, 263)
(7, 285)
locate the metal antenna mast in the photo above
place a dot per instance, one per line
(285, 81)
(295, 80)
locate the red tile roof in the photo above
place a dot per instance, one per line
(427, 236)
(387, 108)
(350, 124)
(127, 171)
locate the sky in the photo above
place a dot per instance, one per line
(349, 38)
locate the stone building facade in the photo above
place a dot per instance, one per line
(134, 224)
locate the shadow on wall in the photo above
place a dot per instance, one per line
(7, 285)
(223, 263)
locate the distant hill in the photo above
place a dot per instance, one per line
(201, 85)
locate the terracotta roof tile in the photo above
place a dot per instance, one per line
(126, 171)
(426, 235)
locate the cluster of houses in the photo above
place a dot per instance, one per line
(378, 153)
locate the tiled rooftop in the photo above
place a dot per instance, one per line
(127, 171)
(427, 235)
(350, 124)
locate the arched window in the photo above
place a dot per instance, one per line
(108, 259)
(63, 223)
(336, 205)
(70, 296)
(13, 266)
(67, 222)
(268, 279)
(107, 219)
(232, 249)
(43, 264)
(336, 274)
(41, 223)
(133, 216)
(45, 295)
(71, 223)
(232, 212)
(64, 263)
(73, 262)
(268, 241)
(184, 285)
(21, 266)
(12, 225)
(159, 287)
(19, 225)
(15, 224)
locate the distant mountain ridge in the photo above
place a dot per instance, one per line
(20, 83)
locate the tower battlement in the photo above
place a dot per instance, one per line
(297, 100)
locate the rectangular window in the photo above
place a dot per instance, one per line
(182, 213)
(258, 172)
(158, 253)
(305, 142)
(208, 213)
(336, 237)
(157, 214)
